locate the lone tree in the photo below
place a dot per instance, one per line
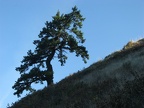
(60, 35)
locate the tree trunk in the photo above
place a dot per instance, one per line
(49, 73)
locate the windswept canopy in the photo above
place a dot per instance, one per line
(63, 34)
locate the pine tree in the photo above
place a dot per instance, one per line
(63, 34)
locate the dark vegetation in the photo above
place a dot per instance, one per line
(63, 34)
(93, 87)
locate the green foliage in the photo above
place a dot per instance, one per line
(61, 35)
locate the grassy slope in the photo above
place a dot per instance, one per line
(115, 82)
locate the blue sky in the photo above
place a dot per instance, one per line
(109, 25)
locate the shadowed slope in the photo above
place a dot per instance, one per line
(115, 82)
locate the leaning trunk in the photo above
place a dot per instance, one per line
(49, 73)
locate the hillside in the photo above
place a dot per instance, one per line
(115, 82)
